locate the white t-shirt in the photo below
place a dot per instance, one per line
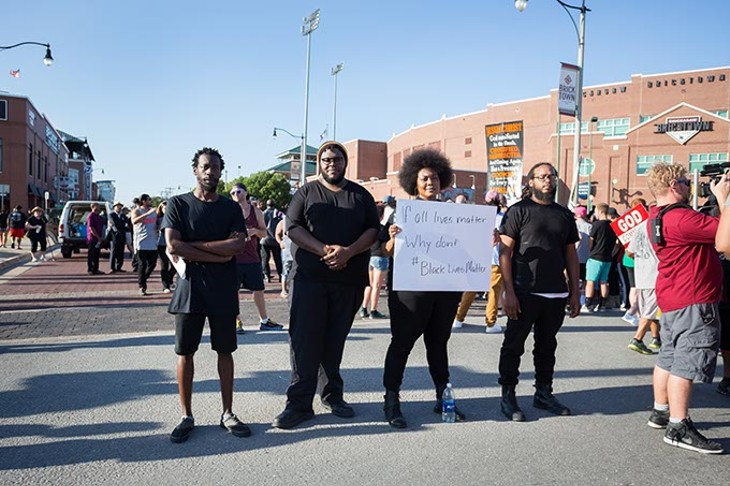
(645, 260)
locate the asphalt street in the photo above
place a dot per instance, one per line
(88, 396)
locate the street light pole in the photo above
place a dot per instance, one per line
(47, 60)
(581, 32)
(334, 72)
(310, 25)
(590, 156)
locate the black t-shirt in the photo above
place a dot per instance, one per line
(38, 235)
(541, 234)
(604, 241)
(208, 288)
(334, 218)
(4, 219)
(271, 218)
(17, 220)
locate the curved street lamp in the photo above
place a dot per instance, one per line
(520, 5)
(47, 60)
(302, 158)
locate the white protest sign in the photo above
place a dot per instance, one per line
(443, 247)
(629, 223)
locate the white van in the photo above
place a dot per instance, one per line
(72, 225)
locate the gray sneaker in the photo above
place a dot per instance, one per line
(659, 419)
(686, 436)
(639, 347)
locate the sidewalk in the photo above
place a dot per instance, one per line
(10, 256)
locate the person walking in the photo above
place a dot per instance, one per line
(144, 219)
(4, 227)
(118, 228)
(36, 231)
(538, 239)
(17, 226)
(416, 314)
(205, 231)
(94, 236)
(332, 224)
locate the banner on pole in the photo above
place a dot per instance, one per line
(568, 89)
(504, 158)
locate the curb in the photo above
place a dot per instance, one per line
(22, 258)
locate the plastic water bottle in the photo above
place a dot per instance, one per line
(448, 405)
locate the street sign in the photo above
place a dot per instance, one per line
(584, 188)
(587, 166)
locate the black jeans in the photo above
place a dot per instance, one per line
(321, 316)
(266, 252)
(116, 256)
(146, 263)
(416, 314)
(167, 271)
(547, 316)
(92, 257)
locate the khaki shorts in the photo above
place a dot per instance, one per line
(690, 341)
(646, 300)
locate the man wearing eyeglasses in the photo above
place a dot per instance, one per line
(332, 222)
(538, 240)
(688, 290)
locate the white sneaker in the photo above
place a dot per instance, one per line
(457, 324)
(495, 329)
(585, 309)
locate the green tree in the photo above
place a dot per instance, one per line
(265, 185)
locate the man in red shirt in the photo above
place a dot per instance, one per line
(688, 289)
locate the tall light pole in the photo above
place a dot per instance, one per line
(310, 25)
(301, 141)
(47, 60)
(594, 120)
(334, 72)
(520, 5)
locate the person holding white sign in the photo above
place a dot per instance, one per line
(538, 239)
(416, 314)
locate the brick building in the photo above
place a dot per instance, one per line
(677, 117)
(33, 160)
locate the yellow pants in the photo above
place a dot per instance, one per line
(495, 290)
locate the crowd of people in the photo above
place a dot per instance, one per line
(334, 251)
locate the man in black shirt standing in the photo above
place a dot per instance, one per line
(332, 222)
(119, 238)
(602, 244)
(538, 243)
(205, 231)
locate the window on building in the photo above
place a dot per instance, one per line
(722, 113)
(643, 118)
(696, 161)
(45, 168)
(569, 128)
(644, 162)
(613, 127)
(467, 141)
(39, 165)
(467, 154)
(3, 109)
(30, 160)
(1, 155)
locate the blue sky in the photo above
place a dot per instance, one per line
(149, 82)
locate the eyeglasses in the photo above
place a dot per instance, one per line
(236, 192)
(686, 182)
(546, 177)
(331, 160)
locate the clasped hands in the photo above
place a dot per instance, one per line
(336, 256)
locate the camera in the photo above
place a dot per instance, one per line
(713, 171)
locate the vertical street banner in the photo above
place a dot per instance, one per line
(504, 158)
(567, 89)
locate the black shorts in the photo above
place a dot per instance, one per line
(725, 327)
(250, 276)
(582, 271)
(632, 279)
(36, 242)
(189, 330)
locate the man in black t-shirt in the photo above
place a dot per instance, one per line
(602, 244)
(332, 222)
(269, 246)
(537, 245)
(205, 231)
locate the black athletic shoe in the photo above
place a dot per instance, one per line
(723, 388)
(658, 419)
(182, 431)
(235, 426)
(291, 418)
(685, 435)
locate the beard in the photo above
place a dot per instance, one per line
(546, 197)
(333, 180)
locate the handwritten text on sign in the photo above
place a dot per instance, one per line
(443, 246)
(628, 223)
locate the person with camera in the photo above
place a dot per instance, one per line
(688, 289)
(721, 189)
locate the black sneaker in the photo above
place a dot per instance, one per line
(377, 315)
(364, 313)
(658, 419)
(655, 343)
(639, 347)
(686, 436)
(235, 426)
(182, 431)
(723, 388)
(270, 326)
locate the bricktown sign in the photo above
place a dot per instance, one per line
(682, 128)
